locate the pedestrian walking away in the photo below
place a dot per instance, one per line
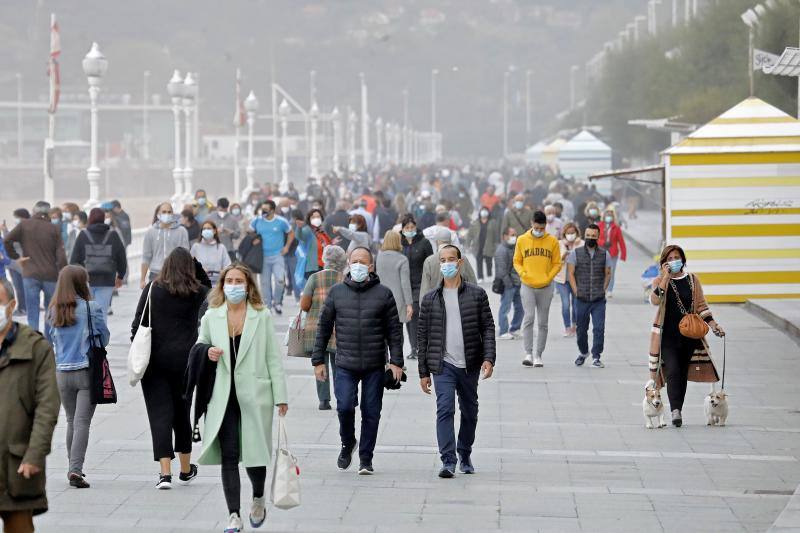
(101, 251)
(74, 318)
(456, 345)
(174, 303)
(570, 241)
(29, 405)
(537, 260)
(364, 315)
(276, 239)
(508, 278)
(249, 384)
(314, 294)
(589, 272)
(674, 358)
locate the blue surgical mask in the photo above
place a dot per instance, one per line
(410, 234)
(609, 219)
(208, 234)
(537, 233)
(55, 221)
(449, 270)
(519, 205)
(675, 266)
(165, 218)
(359, 272)
(235, 293)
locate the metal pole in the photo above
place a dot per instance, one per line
(177, 172)
(434, 72)
(365, 153)
(378, 141)
(93, 172)
(250, 169)
(798, 93)
(505, 114)
(188, 172)
(406, 151)
(337, 137)
(196, 121)
(312, 87)
(145, 125)
(750, 39)
(284, 152)
(19, 116)
(314, 163)
(527, 106)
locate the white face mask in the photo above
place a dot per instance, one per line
(352, 227)
(571, 236)
(316, 222)
(222, 214)
(107, 221)
(512, 240)
(3, 317)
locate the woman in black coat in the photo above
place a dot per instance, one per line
(417, 249)
(177, 301)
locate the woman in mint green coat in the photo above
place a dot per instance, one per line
(238, 424)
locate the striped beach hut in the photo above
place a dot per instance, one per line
(549, 156)
(733, 203)
(583, 155)
(534, 153)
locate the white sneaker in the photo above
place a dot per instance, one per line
(609, 296)
(480, 280)
(258, 512)
(537, 361)
(506, 337)
(234, 524)
(516, 334)
(567, 333)
(528, 360)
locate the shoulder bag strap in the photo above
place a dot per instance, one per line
(89, 319)
(108, 236)
(88, 236)
(147, 304)
(678, 297)
(517, 217)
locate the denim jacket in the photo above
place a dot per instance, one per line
(72, 342)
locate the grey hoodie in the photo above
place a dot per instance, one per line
(159, 243)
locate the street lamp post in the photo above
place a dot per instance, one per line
(19, 117)
(337, 137)
(528, 74)
(379, 140)
(250, 106)
(175, 91)
(505, 113)
(314, 162)
(365, 125)
(406, 150)
(94, 65)
(145, 124)
(397, 143)
(283, 111)
(434, 72)
(189, 94)
(351, 140)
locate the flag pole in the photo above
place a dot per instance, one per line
(237, 184)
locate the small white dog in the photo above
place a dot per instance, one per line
(652, 407)
(716, 408)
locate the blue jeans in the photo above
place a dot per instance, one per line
(597, 312)
(102, 295)
(510, 296)
(345, 387)
(19, 289)
(567, 300)
(614, 261)
(452, 382)
(324, 387)
(290, 261)
(274, 266)
(33, 287)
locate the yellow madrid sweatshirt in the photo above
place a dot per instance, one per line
(537, 260)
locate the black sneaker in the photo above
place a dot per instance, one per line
(76, 480)
(365, 469)
(465, 465)
(325, 405)
(597, 363)
(185, 479)
(580, 360)
(164, 482)
(346, 456)
(447, 472)
(677, 419)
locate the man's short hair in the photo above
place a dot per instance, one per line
(593, 226)
(444, 216)
(539, 217)
(453, 246)
(270, 204)
(371, 260)
(8, 289)
(223, 203)
(41, 208)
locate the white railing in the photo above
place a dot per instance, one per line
(135, 253)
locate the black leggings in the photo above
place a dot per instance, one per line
(487, 259)
(167, 412)
(676, 354)
(229, 446)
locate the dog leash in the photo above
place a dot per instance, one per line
(724, 356)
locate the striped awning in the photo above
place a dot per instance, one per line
(787, 65)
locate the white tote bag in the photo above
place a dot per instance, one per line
(139, 353)
(285, 473)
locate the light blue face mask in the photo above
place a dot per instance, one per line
(518, 205)
(537, 233)
(410, 234)
(235, 293)
(166, 218)
(449, 270)
(208, 234)
(359, 272)
(675, 266)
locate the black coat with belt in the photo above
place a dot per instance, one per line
(477, 326)
(417, 252)
(366, 320)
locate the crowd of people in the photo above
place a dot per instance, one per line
(362, 255)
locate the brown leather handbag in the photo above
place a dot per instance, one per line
(691, 325)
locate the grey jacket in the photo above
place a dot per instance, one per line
(214, 257)
(432, 275)
(504, 265)
(227, 228)
(357, 239)
(159, 243)
(392, 269)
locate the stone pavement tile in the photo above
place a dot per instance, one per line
(622, 522)
(537, 505)
(539, 524)
(684, 524)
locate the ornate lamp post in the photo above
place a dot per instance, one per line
(175, 91)
(337, 137)
(314, 162)
(379, 140)
(251, 106)
(352, 119)
(189, 95)
(95, 65)
(283, 111)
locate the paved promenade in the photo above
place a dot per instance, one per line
(558, 449)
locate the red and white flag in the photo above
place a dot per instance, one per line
(240, 117)
(53, 70)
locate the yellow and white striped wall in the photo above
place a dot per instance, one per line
(733, 203)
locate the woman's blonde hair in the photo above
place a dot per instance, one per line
(216, 298)
(392, 241)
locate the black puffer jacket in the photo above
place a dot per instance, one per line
(365, 315)
(416, 252)
(477, 326)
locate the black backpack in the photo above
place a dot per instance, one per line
(100, 257)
